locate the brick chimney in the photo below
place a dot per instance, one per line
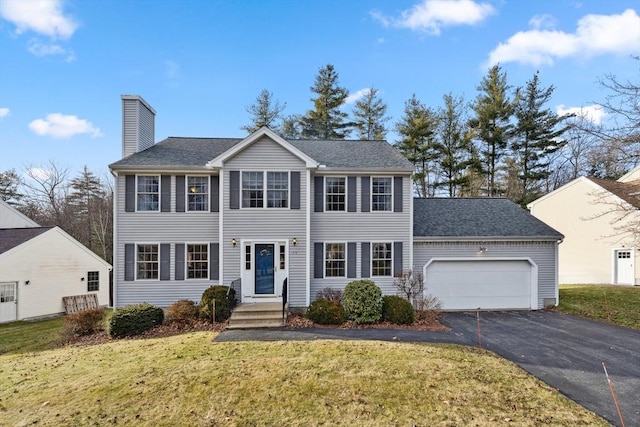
(138, 125)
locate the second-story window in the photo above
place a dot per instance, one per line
(254, 191)
(148, 190)
(335, 193)
(381, 194)
(277, 189)
(197, 193)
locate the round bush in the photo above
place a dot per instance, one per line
(224, 302)
(134, 319)
(362, 301)
(397, 310)
(326, 312)
(183, 310)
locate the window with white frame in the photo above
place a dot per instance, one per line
(93, 281)
(197, 261)
(381, 194)
(148, 192)
(147, 262)
(197, 193)
(381, 259)
(334, 265)
(254, 189)
(335, 191)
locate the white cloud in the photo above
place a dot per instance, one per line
(4, 112)
(44, 17)
(63, 126)
(42, 49)
(355, 97)
(430, 16)
(594, 35)
(38, 173)
(542, 21)
(593, 113)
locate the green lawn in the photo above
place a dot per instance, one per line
(30, 336)
(188, 380)
(619, 305)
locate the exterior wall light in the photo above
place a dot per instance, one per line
(233, 242)
(294, 241)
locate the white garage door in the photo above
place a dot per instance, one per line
(485, 284)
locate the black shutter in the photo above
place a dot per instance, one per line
(234, 188)
(397, 194)
(180, 188)
(318, 260)
(214, 261)
(214, 194)
(179, 261)
(318, 193)
(165, 254)
(295, 190)
(366, 260)
(129, 262)
(352, 192)
(397, 258)
(130, 193)
(351, 260)
(366, 194)
(165, 193)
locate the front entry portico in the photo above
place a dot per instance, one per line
(264, 268)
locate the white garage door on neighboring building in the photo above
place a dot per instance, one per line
(481, 284)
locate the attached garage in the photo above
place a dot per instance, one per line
(485, 253)
(486, 284)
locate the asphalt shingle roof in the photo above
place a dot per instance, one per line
(627, 191)
(12, 237)
(476, 218)
(178, 152)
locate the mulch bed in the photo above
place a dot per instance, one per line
(425, 321)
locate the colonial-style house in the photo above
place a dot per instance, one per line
(262, 212)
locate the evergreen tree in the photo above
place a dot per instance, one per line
(418, 144)
(326, 120)
(265, 112)
(492, 127)
(536, 136)
(370, 116)
(9, 184)
(456, 149)
(291, 127)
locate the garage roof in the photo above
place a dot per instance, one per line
(476, 218)
(12, 237)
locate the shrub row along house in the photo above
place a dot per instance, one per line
(261, 212)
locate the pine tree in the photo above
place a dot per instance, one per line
(326, 120)
(418, 144)
(265, 112)
(536, 136)
(9, 184)
(370, 116)
(492, 126)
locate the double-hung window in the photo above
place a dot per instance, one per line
(148, 192)
(254, 189)
(381, 259)
(197, 261)
(335, 193)
(334, 265)
(93, 281)
(381, 194)
(197, 193)
(147, 262)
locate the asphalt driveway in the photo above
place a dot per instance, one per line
(564, 351)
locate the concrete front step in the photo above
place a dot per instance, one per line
(258, 315)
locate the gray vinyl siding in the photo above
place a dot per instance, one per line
(542, 253)
(361, 227)
(138, 127)
(160, 228)
(264, 223)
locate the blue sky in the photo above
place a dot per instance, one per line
(64, 64)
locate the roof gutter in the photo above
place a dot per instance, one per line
(486, 238)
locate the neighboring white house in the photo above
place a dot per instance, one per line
(598, 219)
(41, 265)
(263, 211)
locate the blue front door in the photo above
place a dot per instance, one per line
(264, 271)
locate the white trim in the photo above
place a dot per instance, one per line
(159, 193)
(221, 239)
(533, 297)
(307, 242)
(346, 194)
(186, 257)
(614, 269)
(324, 258)
(187, 193)
(265, 188)
(218, 162)
(393, 256)
(371, 178)
(135, 262)
(252, 297)
(410, 227)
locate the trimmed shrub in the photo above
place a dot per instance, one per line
(326, 312)
(84, 322)
(397, 310)
(330, 294)
(224, 302)
(362, 301)
(183, 311)
(134, 319)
